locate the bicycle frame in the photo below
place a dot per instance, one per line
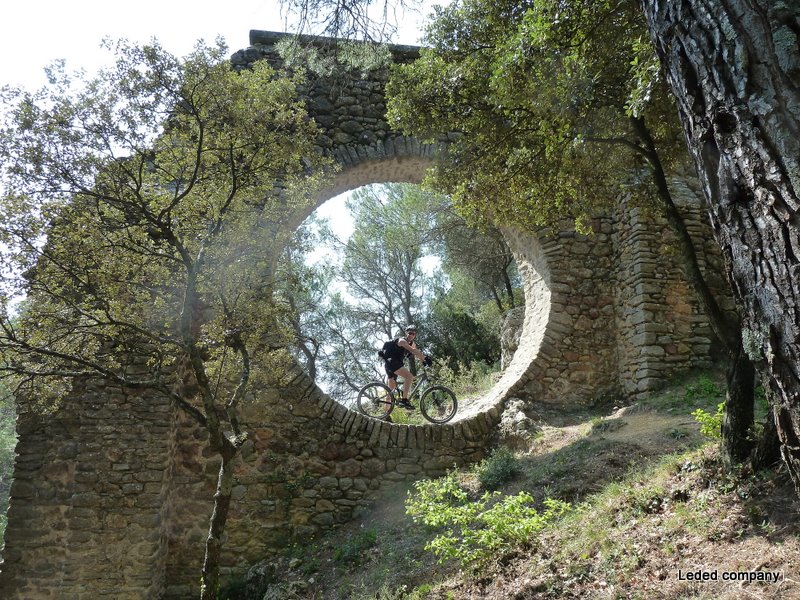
(420, 382)
(437, 403)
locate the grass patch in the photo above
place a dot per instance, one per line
(468, 380)
(352, 550)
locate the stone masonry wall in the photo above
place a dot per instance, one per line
(661, 328)
(567, 360)
(611, 315)
(309, 464)
(88, 500)
(349, 108)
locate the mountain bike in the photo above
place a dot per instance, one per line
(437, 403)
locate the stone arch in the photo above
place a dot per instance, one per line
(368, 151)
(320, 461)
(406, 161)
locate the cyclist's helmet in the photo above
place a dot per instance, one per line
(411, 328)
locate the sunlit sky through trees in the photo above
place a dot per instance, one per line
(33, 35)
(342, 225)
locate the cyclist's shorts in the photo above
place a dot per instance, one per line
(392, 366)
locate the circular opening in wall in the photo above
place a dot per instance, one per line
(368, 262)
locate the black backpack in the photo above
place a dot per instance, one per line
(389, 349)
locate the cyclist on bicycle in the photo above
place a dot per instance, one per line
(395, 356)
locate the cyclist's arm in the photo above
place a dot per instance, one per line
(405, 345)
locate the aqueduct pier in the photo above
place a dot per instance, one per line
(112, 495)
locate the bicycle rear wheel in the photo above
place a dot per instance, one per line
(438, 404)
(375, 400)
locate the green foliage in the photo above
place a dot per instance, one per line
(678, 433)
(352, 551)
(404, 262)
(466, 380)
(704, 388)
(477, 260)
(473, 531)
(705, 391)
(150, 182)
(401, 593)
(710, 424)
(375, 284)
(457, 337)
(646, 71)
(498, 469)
(548, 97)
(302, 288)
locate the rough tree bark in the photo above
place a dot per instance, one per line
(209, 585)
(734, 67)
(737, 425)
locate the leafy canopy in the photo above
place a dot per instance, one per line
(544, 93)
(409, 259)
(136, 215)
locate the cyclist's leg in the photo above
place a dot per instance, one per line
(408, 379)
(391, 374)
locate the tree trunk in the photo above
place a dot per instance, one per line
(209, 584)
(737, 425)
(509, 289)
(733, 66)
(768, 450)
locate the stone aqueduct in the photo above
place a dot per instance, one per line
(111, 495)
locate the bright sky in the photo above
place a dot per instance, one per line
(34, 33)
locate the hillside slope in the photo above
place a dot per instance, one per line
(653, 509)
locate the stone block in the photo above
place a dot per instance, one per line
(349, 468)
(324, 519)
(324, 506)
(408, 469)
(372, 468)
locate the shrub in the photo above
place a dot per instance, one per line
(473, 532)
(468, 379)
(710, 424)
(498, 469)
(702, 389)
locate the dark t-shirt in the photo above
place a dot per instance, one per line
(394, 359)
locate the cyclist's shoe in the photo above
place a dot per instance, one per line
(404, 403)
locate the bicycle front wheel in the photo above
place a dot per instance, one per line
(438, 404)
(375, 400)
